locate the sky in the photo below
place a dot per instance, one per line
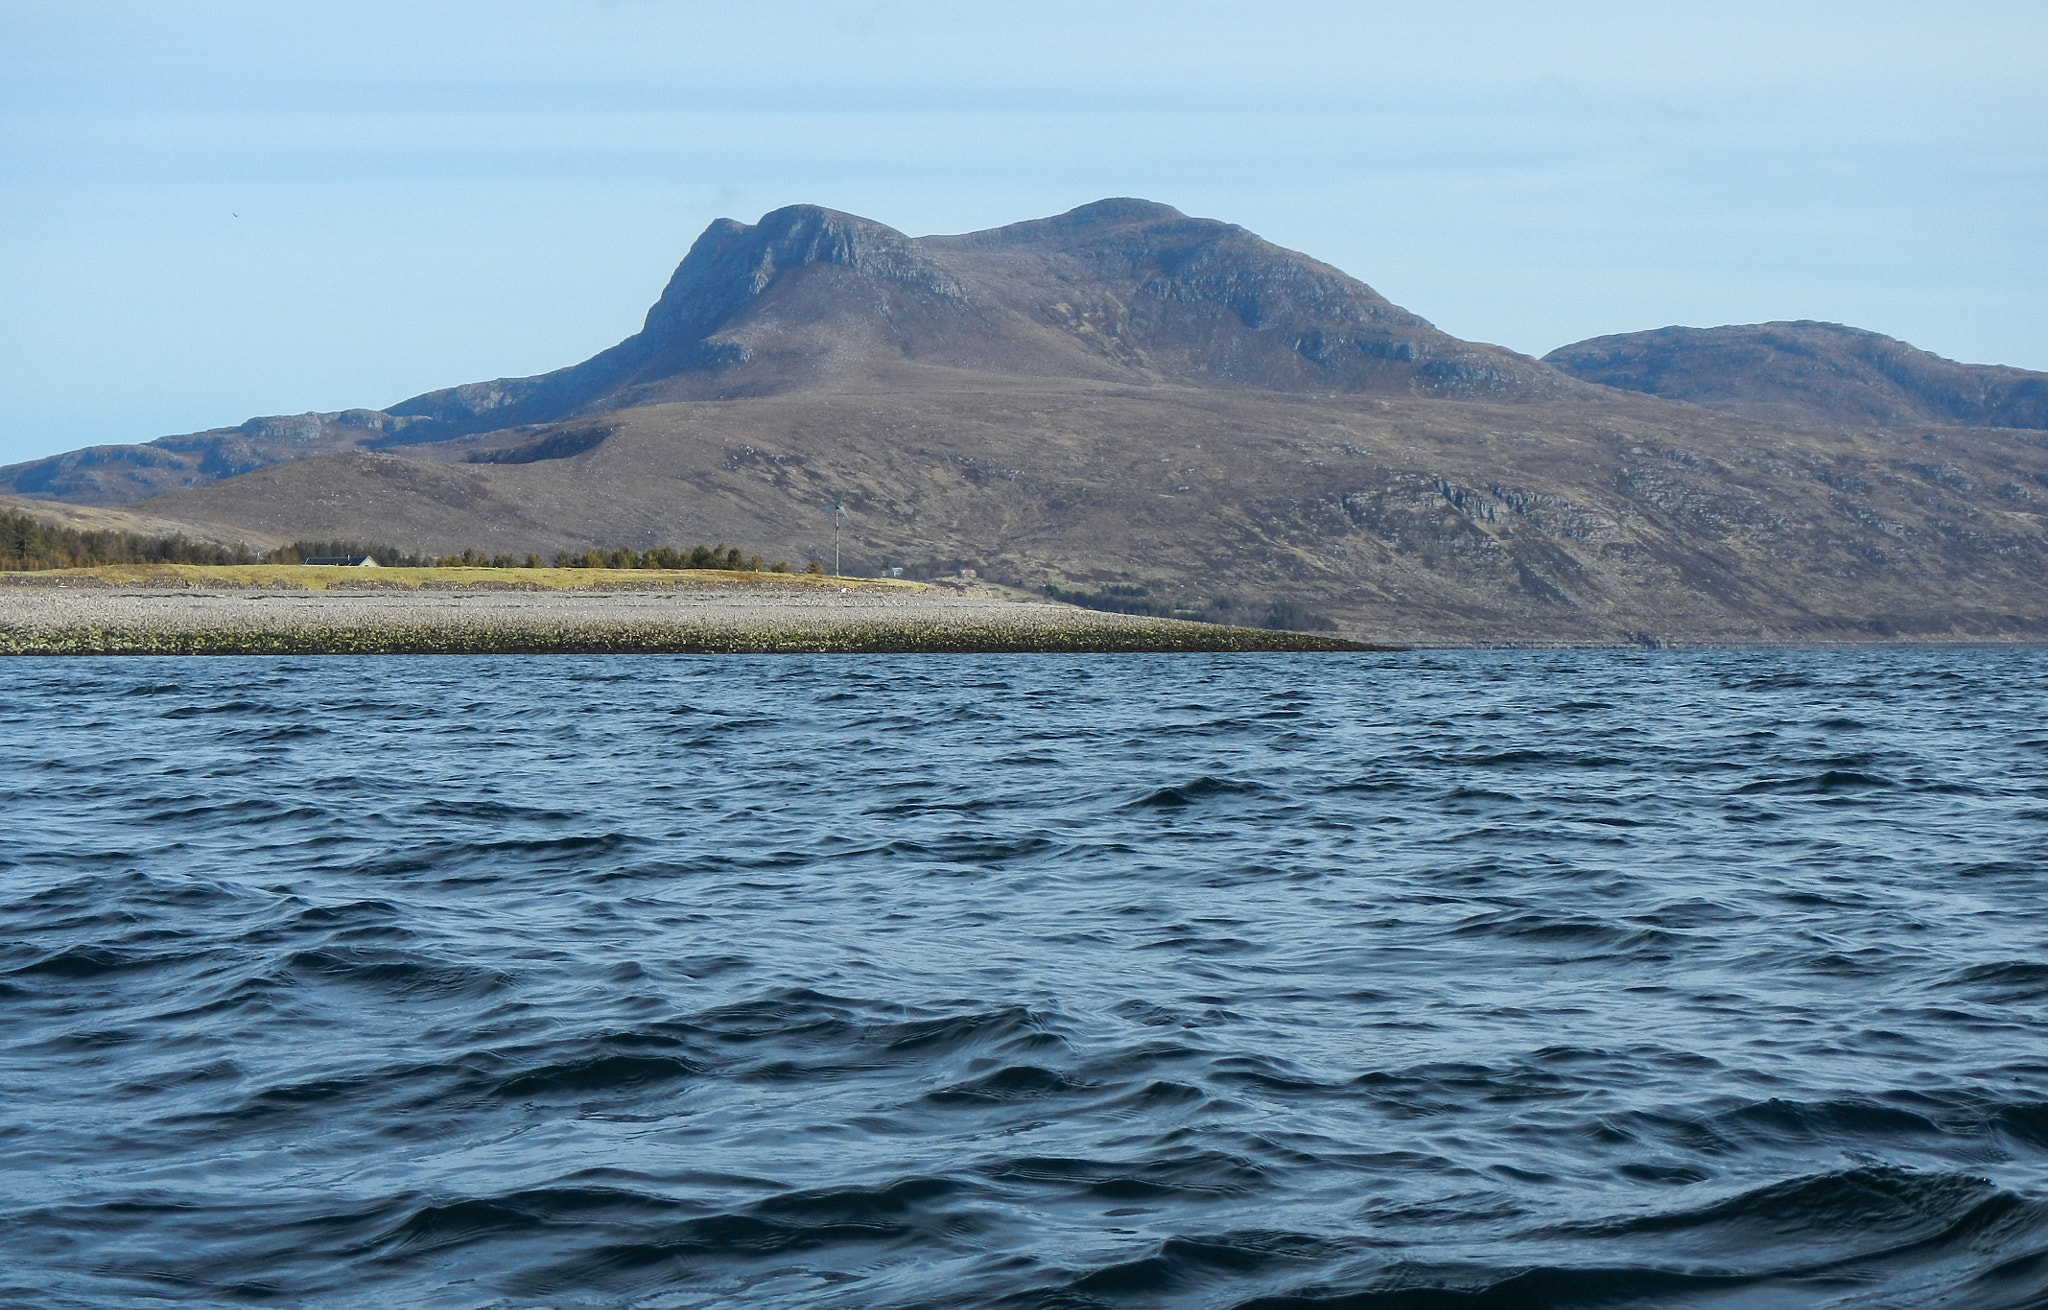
(211, 210)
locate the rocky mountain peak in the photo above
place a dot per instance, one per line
(1118, 209)
(1088, 222)
(732, 264)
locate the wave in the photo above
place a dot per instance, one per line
(901, 1214)
(1188, 793)
(2006, 982)
(395, 974)
(1828, 780)
(603, 1075)
(1014, 1083)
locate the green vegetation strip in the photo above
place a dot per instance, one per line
(295, 577)
(654, 639)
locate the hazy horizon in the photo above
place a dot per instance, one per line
(243, 209)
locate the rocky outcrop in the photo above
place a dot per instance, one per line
(1808, 372)
(694, 336)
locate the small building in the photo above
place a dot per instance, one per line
(341, 562)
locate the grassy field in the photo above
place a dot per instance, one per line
(300, 577)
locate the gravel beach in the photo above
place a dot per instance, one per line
(55, 619)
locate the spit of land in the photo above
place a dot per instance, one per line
(301, 610)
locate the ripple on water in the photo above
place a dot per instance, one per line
(1539, 979)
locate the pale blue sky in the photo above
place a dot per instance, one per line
(216, 210)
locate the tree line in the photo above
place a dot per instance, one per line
(612, 557)
(390, 557)
(665, 557)
(29, 544)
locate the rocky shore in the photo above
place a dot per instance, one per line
(89, 615)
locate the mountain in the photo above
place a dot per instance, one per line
(1126, 398)
(812, 299)
(1807, 372)
(119, 475)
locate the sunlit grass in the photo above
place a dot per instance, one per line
(313, 578)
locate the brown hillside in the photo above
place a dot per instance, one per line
(1809, 372)
(1407, 520)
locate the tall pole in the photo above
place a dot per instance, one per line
(838, 517)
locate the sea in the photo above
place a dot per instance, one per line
(1396, 980)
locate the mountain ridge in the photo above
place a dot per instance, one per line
(1118, 290)
(1807, 371)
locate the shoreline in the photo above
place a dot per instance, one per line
(303, 610)
(88, 613)
(627, 639)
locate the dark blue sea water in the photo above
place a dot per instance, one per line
(1422, 980)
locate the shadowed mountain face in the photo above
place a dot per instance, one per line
(810, 299)
(1806, 372)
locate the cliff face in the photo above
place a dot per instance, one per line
(716, 329)
(1807, 372)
